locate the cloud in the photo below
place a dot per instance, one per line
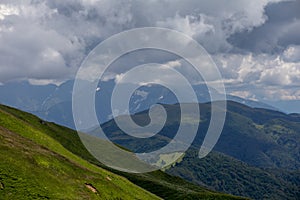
(252, 42)
(212, 23)
(279, 31)
(244, 94)
(292, 53)
(6, 10)
(49, 39)
(260, 76)
(194, 26)
(70, 29)
(174, 63)
(281, 73)
(118, 78)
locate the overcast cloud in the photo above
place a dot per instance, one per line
(255, 44)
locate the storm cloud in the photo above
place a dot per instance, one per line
(252, 42)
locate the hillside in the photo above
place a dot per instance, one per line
(31, 171)
(33, 165)
(257, 155)
(46, 161)
(224, 173)
(259, 137)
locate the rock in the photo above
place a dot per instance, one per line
(91, 187)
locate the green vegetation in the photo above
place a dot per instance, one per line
(260, 155)
(46, 161)
(260, 158)
(224, 173)
(260, 151)
(170, 187)
(31, 171)
(49, 171)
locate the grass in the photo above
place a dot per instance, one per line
(56, 165)
(34, 165)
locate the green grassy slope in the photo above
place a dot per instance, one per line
(47, 160)
(30, 171)
(49, 171)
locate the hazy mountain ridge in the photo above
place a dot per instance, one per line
(54, 103)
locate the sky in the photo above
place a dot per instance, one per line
(255, 44)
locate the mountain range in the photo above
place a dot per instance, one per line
(257, 155)
(54, 103)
